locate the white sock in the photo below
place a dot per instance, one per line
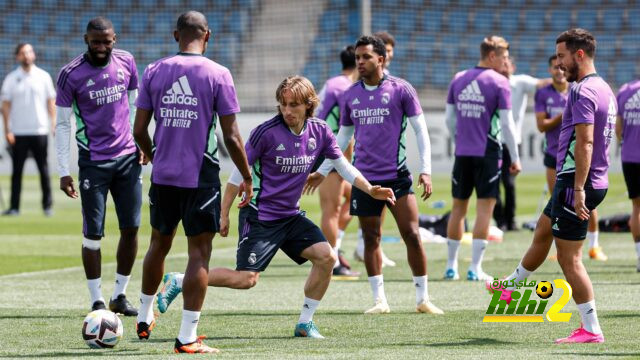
(518, 275)
(477, 252)
(189, 327)
(335, 251)
(339, 238)
(145, 313)
(95, 291)
(377, 287)
(308, 308)
(360, 244)
(121, 285)
(638, 249)
(590, 317)
(452, 259)
(593, 238)
(179, 279)
(422, 292)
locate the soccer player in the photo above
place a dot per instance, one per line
(28, 111)
(478, 115)
(186, 93)
(282, 152)
(376, 110)
(99, 87)
(628, 130)
(550, 102)
(522, 85)
(581, 180)
(389, 44)
(335, 216)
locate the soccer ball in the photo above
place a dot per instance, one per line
(544, 289)
(102, 329)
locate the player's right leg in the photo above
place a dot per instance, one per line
(461, 189)
(330, 192)
(94, 179)
(631, 173)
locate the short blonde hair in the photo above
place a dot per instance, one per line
(302, 90)
(493, 43)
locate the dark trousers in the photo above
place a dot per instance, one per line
(37, 145)
(504, 214)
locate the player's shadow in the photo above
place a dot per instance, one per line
(468, 342)
(34, 316)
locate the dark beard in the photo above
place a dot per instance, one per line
(96, 61)
(572, 73)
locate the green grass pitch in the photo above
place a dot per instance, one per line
(43, 296)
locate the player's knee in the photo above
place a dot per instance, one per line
(410, 236)
(129, 234)
(569, 261)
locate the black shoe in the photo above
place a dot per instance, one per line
(144, 330)
(11, 212)
(512, 226)
(122, 306)
(98, 305)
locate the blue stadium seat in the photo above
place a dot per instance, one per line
(117, 19)
(527, 47)
(163, 23)
(560, 20)
(534, 20)
(200, 5)
(13, 23)
(624, 71)
(629, 46)
(96, 5)
(138, 23)
(633, 18)
(63, 23)
(25, 4)
(483, 20)
(586, 19)
(509, 20)
(216, 20)
(73, 4)
(406, 21)
(612, 19)
(606, 46)
(39, 23)
(604, 70)
(431, 20)
(239, 21)
(422, 50)
(416, 73)
(441, 74)
(457, 20)
(523, 67)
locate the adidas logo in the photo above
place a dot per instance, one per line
(180, 93)
(280, 147)
(550, 101)
(633, 103)
(555, 227)
(306, 306)
(355, 101)
(90, 83)
(471, 93)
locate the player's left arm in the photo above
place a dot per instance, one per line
(582, 152)
(141, 132)
(345, 134)
(619, 126)
(230, 193)
(419, 126)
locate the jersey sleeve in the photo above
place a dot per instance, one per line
(64, 95)
(528, 83)
(619, 99)
(540, 104)
(255, 145)
(4, 91)
(583, 110)
(345, 111)
(410, 102)
(225, 98)
(331, 150)
(450, 97)
(133, 81)
(144, 96)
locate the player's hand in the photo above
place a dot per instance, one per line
(578, 204)
(224, 225)
(66, 185)
(313, 181)
(386, 194)
(245, 191)
(11, 139)
(515, 168)
(424, 181)
(142, 158)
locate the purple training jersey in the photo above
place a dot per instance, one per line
(379, 117)
(478, 94)
(330, 96)
(186, 93)
(591, 101)
(550, 101)
(98, 97)
(281, 162)
(629, 111)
